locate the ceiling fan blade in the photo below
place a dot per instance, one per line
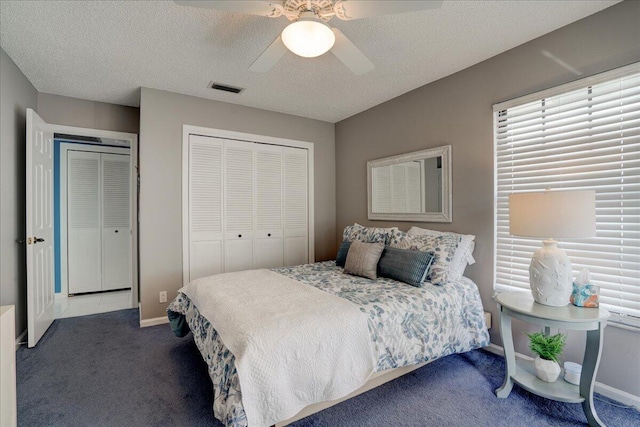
(271, 9)
(350, 55)
(269, 57)
(356, 9)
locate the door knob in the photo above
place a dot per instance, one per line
(116, 231)
(38, 239)
(269, 235)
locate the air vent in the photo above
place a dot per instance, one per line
(226, 88)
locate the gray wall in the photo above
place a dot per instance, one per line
(17, 95)
(457, 110)
(162, 115)
(63, 110)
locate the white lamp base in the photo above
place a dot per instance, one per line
(550, 275)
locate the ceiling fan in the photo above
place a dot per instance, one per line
(309, 35)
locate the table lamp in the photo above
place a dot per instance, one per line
(552, 214)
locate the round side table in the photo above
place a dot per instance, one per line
(520, 305)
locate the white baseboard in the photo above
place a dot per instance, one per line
(605, 390)
(20, 338)
(154, 321)
(617, 395)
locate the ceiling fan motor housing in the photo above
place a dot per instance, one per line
(322, 9)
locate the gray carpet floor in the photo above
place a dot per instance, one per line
(103, 370)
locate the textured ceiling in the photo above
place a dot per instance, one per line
(106, 50)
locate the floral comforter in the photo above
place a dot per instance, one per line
(408, 325)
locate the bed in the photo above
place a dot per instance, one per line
(407, 327)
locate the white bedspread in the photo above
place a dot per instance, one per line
(294, 345)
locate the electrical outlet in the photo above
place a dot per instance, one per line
(163, 297)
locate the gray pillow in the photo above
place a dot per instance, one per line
(404, 265)
(362, 259)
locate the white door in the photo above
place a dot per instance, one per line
(84, 231)
(268, 243)
(238, 202)
(205, 206)
(296, 207)
(39, 213)
(116, 227)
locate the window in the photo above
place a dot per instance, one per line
(584, 135)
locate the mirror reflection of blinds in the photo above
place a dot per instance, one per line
(398, 188)
(585, 138)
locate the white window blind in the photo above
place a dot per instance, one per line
(584, 137)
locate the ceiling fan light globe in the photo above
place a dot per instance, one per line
(308, 37)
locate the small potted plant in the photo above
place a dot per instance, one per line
(548, 348)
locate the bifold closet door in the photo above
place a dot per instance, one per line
(84, 222)
(116, 227)
(238, 197)
(296, 205)
(268, 241)
(205, 206)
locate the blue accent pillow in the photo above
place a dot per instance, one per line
(341, 258)
(405, 265)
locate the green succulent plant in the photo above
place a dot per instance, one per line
(548, 347)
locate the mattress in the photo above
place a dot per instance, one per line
(408, 325)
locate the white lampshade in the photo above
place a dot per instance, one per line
(552, 214)
(308, 37)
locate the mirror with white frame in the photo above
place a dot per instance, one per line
(411, 187)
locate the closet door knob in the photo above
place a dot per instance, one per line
(116, 231)
(239, 235)
(269, 235)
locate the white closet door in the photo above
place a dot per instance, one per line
(296, 215)
(84, 222)
(116, 226)
(238, 202)
(205, 206)
(268, 239)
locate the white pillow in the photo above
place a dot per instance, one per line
(461, 258)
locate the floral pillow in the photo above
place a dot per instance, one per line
(443, 248)
(463, 255)
(367, 234)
